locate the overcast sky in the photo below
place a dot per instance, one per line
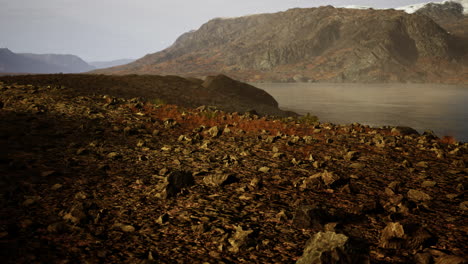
(115, 29)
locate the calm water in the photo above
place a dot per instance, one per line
(441, 108)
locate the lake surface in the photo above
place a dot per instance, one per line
(440, 108)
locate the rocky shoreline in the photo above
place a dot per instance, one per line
(105, 179)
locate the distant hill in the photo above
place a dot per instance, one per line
(11, 62)
(315, 44)
(220, 91)
(108, 64)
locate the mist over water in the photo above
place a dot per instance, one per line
(437, 107)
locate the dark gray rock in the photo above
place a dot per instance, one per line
(311, 216)
(175, 182)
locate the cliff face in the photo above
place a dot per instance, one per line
(315, 44)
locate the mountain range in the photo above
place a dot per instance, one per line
(11, 62)
(322, 44)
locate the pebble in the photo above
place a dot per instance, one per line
(417, 195)
(56, 186)
(127, 228)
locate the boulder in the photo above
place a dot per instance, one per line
(404, 131)
(174, 183)
(330, 247)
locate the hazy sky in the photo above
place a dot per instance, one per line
(114, 29)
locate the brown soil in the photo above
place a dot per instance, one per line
(101, 179)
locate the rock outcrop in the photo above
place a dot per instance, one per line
(315, 44)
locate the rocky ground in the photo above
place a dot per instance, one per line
(98, 179)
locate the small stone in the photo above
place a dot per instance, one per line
(255, 182)
(394, 186)
(422, 164)
(214, 132)
(239, 239)
(404, 131)
(423, 258)
(114, 155)
(329, 178)
(392, 236)
(464, 205)
(452, 196)
(200, 229)
(76, 214)
(417, 196)
(163, 219)
(427, 184)
(219, 179)
(57, 227)
(56, 186)
(174, 183)
(352, 155)
(127, 228)
(389, 191)
(47, 173)
(80, 195)
(29, 202)
(281, 216)
(278, 155)
(166, 148)
(312, 182)
(310, 216)
(82, 151)
(357, 166)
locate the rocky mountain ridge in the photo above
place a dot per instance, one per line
(315, 44)
(11, 62)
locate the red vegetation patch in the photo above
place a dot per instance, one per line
(448, 140)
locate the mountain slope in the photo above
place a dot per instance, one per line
(11, 62)
(67, 63)
(318, 44)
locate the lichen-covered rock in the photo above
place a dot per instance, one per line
(326, 247)
(239, 239)
(418, 196)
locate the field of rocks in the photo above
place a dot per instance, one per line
(101, 179)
